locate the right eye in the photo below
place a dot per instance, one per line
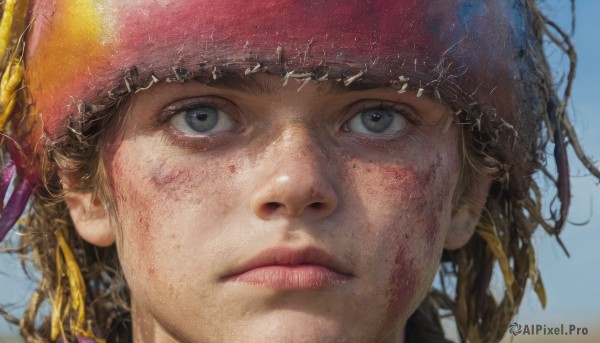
(380, 121)
(201, 119)
(377, 121)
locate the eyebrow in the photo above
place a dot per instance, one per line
(261, 86)
(249, 84)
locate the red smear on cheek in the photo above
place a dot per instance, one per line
(171, 180)
(426, 194)
(403, 284)
(401, 178)
(412, 187)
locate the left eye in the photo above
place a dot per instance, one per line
(201, 119)
(377, 121)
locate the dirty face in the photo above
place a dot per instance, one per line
(249, 211)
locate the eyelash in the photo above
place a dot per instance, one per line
(198, 142)
(205, 142)
(207, 101)
(392, 141)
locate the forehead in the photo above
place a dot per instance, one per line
(78, 52)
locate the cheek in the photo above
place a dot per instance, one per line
(411, 190)
(413, 199)
(418, 246)
(410, 279)
(172, 182)
(412, 202)
(157, 196)
(133, 200)
(403, 284)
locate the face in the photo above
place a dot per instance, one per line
(266, 213)
(251, 207)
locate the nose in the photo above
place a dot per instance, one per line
(294, 179)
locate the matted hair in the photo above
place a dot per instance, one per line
(88, 296)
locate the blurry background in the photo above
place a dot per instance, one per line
(572, 284)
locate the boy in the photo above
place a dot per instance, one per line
(282, 171)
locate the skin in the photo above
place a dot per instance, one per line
(192, 207)
(289, 173)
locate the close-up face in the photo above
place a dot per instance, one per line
(267, 213)
(284, 170)
(287, 171)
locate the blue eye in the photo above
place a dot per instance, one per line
(377, 121)
(201, 119)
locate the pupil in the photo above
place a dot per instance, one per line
(202, 119)
(375, 117)
(377, 120)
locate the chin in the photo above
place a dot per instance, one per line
(300, 327)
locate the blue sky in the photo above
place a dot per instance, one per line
(571, 283)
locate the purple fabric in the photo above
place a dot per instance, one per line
(5, 177)
(15, 206)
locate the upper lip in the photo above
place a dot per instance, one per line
(282, 256)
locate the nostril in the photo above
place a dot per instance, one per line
(316, 205)
(272, 206)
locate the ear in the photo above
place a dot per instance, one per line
(90, 218)
(465, 218)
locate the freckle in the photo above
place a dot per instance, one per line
(231, 168)
(368, 170)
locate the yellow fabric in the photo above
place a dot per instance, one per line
(67, 266)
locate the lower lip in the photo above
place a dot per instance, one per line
(291, 277)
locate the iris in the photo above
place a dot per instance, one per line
(377, 120)
(202, 119)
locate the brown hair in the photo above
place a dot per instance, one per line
(507, 154)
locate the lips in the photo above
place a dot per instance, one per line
(290, 269)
